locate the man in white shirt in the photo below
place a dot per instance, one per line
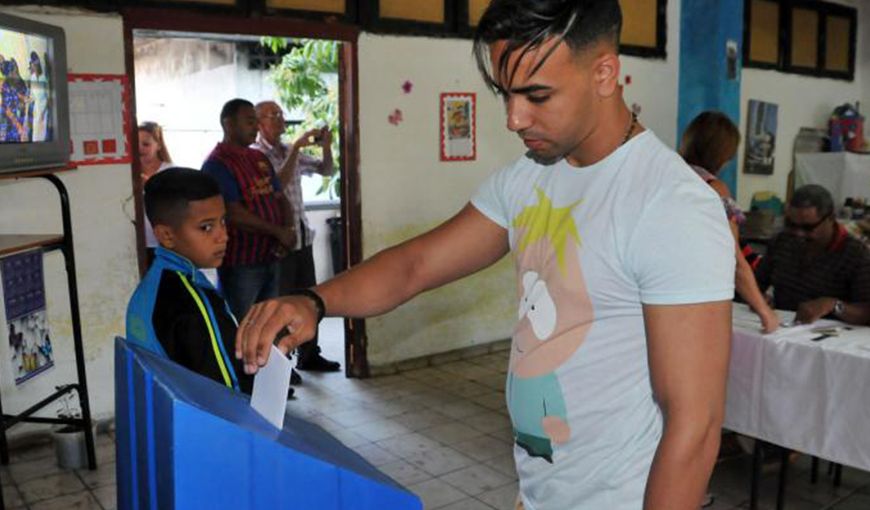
(290, 163)
(624, 260)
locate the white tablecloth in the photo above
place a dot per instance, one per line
(812, 397)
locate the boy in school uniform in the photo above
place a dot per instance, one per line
(176, 312)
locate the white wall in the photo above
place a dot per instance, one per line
(406, 190)
(104, 238)
(803, 102)
(655, 83)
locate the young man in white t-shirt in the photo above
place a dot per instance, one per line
(625, 265)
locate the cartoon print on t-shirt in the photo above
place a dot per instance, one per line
(555, 314)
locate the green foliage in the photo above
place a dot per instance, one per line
(307, 81)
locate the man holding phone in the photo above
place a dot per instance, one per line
(290, 163)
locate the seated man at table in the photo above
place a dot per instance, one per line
(814, 265)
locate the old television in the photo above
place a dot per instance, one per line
(34, 104)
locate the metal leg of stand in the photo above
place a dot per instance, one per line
(757, 458)
(4, 446)
(69, 257)
(838, 475)
(814, 470)
(783, 478)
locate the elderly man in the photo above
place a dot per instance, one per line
(814, 265)
(297, 268)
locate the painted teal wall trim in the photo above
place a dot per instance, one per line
(706, 26)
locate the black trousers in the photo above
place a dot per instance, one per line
(297, 271)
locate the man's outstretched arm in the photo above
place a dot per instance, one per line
(689, 349)
(466, 243)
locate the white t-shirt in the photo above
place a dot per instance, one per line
(591, 245)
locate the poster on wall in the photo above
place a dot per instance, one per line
(458, 126)
(26, 320)
(99, 119)
(760, 138)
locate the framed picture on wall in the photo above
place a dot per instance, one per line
(760, 137)
(458, 126)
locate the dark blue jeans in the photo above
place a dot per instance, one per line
(245, 285)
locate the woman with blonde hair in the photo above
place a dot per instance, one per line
(153, 158)
(153, 154)
(708, 143)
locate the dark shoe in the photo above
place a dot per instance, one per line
(290, 393)
(295, 378)
(318, 363)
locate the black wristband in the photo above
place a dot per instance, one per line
(313, 296)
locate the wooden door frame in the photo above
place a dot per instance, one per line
(178, 20)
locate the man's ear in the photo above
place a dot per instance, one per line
(605, 73)
(165, 236)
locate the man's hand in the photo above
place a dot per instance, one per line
(286, 236)
(310, 137)
(293, 317)
(325, 137)
(813, 310)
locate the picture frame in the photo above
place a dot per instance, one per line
(761, 128)
(458, 116)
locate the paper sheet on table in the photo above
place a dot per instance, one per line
(271, 384)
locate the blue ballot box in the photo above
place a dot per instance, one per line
(186, 442)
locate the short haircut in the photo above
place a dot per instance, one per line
(168, 194)
(232, 107)
(710, 140)
(528, 24)
(813, 195)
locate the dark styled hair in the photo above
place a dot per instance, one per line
(528, 24)
(710, 140)
(813, 195)
(168, 193)
(231, 108)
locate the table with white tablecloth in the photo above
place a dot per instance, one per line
(802, 389)
(809, 396)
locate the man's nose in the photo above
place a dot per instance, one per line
(518, 117)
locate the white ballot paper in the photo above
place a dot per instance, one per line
(271, 384)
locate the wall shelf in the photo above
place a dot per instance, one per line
(13, 243)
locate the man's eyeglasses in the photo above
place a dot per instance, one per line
(805, 228)
(273, 116)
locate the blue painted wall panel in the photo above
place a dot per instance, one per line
(706, 26)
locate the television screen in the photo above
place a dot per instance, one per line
(25, 88)
(34, 104)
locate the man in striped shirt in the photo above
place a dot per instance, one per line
(814, 265)
(258, 214)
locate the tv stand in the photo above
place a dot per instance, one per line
(19, 242)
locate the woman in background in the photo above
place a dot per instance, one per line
(710, 141)
(153, 158)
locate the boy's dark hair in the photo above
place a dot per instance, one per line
(527, 24)
(813, 195)
(231, 108)
(169, 192)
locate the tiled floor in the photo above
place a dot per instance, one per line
(443, 432)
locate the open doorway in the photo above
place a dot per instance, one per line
(182, 76)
